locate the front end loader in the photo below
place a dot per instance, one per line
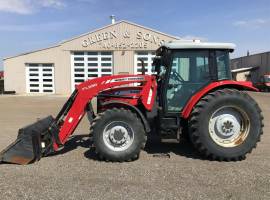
(190, 94)
(49, 134)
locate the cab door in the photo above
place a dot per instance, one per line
(189, 73)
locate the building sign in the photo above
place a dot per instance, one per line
(123, 40)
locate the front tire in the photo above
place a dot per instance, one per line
(226, 125)
(118, 135)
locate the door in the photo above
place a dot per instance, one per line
(188, 74)
(88, 65)
(40, 78)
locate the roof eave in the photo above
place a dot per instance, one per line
(29, 52)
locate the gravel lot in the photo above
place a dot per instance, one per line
(75, 173)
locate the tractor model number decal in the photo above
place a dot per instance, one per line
(89, 87)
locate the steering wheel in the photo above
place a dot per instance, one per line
(177, 76)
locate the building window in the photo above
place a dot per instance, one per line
(39, 78)
(89, 65)
(147, 57)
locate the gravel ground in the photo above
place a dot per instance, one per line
(75, 172)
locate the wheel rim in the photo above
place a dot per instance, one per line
(118, 136)
(229, 126)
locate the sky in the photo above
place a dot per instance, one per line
(26, 25)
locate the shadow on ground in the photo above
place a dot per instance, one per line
(76, 141)
(183, 148)
(153, 147)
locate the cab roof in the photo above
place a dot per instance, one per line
(197, 44)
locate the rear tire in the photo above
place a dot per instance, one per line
(118, 135)
(226, 125)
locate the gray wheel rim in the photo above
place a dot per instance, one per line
(229, 126)
(118, 136)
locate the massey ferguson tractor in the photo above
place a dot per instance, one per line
(189, 93)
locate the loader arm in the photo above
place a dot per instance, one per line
(75, 108)
(46, 135)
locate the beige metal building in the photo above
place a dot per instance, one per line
(258, 65)
(114, 49)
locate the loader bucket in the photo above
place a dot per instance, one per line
(33, 141)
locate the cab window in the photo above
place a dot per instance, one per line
(223, 65)
(189, 73)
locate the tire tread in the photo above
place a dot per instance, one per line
(194, 123)
(111, 112)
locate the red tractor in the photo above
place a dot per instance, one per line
(190, 93)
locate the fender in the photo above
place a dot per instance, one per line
(240, 85)
(132, 108)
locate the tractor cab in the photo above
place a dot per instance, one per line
(185, 67)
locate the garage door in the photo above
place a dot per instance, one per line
(89, 65)
(147, 57)
(40, 78)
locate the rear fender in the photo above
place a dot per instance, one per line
(244, 85)
(120, 104)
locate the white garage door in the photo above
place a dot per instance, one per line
(89, 65)
(40, 78)
(147, 57)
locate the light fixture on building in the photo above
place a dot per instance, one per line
(112, 18)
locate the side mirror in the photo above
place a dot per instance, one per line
(143, 66)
